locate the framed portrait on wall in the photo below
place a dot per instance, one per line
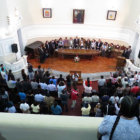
(78, 16)
(111, 15)
(47, 12)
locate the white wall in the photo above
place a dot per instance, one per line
(62, 11)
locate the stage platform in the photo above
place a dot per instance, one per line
(97, 65)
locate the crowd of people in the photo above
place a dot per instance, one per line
(42, 93)
(39, 92)
(80, 43)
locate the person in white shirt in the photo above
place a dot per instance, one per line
(75, 77)
(131, 80)
(114, 99)
(101, 82)
(11, 83)
(104, 48)
(60, 87)
(124, 82)
(95, 98)
(93, 44)
(87, 99)
(34, 84)
(3, 74)
(87, 89)
(60, 43)
(51, 86)
(71, 43)
(24, 107)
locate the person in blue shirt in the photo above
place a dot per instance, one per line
(22, 95)
(56, 109)
(54, 80)
(125, 126)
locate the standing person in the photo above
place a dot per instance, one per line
(40, 72)
(60, 43)
(101, 83)
(76, 42)
(60, 87)
(56, 109)
(10, 75)
(64, 99)
(125, 126)
(24, 75)
(128, 52)
(87, 88)
(75, 77)
(68, 81)
(88, 44)
(71, 43)
(41, 54)
(47, 46)
(74, 96)
(60, 79)
(82, 43)
(66, 43)
(98, 45)
(93, 44)
(30, 71)
(24, 107)
(86, 110)
(3, 74)
(104, 48)
(35, 108)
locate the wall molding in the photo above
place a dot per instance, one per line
(35, 31)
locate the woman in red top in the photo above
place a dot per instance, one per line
(74, 96)
(88, 82)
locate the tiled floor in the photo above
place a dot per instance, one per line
(98, 64)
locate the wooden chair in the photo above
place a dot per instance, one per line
(80, 80)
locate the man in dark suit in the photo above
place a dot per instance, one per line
(88, 44)
(47, 46)
(41, 54)
(52, 47)
(99, 45)
(128, 52)
(76, 42)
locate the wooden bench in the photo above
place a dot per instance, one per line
(80, 80)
